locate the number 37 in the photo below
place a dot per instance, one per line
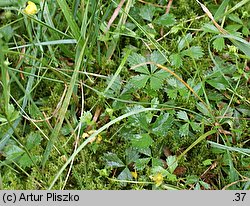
(240, 196)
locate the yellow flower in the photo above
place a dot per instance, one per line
(134, 174)
(30, 8)
(158, 179)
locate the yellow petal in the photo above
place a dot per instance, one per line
(158, 179)
(30, 8)
(134, 174)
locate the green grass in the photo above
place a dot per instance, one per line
(98, 96)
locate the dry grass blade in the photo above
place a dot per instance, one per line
(115, 14)
(209, 14)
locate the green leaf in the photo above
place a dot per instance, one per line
(205, 185)
(221, 10)
(218, 83)
(131, 155)
(155, 83)
(219, 44)
(33, 140)
(3, 119)
(235, 18)
(184, 130)
(113, 160)
(158, 58)
(165, 20)
(201, 107)
(12, 152)
(136, 59)
(139, 81)
(162, 124)
(182, 115)
(140, 164)
(147, 12)
(86, 118)
(157, 78)
(195, 126)
(172, 163)
(25, 160)
(125, 175)
(210, 28)
(207, 162)
(172, 93)
(176, 60)
(141, 141)
(184, 41)
(171, 177)
(193, 52)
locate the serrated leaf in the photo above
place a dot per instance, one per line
(155, 83)
(145, 151)
(219, 44)
(184, 129)
(156, 162)
(172, 163)
(158, 58)
(131, 155)
(140, 164)
(176, 60)
(125, 175)
(157, 78)
(113, 160)
(201, 107)
(162, 124)
(195, 126)
(147, 12)
(139, 81)
(165, 20)
(25, 161)
(141, 141)
(172, 93)
(33, 140)
(193, 52)
(171, 177)
(12, 152)
(184, 41)
(159, 169)
(182, 115)
(136, 59)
